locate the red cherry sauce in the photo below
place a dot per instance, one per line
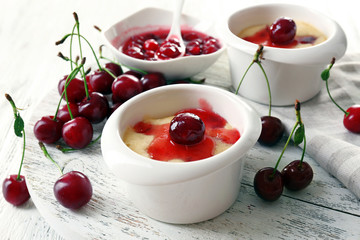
(145, 45)
(262, 37)
(163, 149)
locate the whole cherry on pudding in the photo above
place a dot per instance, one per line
(187, 129)
(351, 119)
(73, 189)
(282, 30)
(125, 87)
(14, 187)
(152, 80)
(95, 107)
(48, 129)
(77, 133)
(272, 128)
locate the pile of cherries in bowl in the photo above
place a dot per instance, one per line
(92, 103)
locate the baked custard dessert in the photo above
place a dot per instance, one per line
(189, 135)
(284, 33)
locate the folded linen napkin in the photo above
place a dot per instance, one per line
(328, 142)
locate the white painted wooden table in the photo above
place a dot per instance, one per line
(30, 69)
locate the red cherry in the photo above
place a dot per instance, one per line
(95, 109)
(211, 45)
(152, 80)
(75, 89)
(194, 47)
(169, 49)
(77, 133)
(15, 190)
(187, 129)
(282, 31)
(73, 190)
(63, 113)
(114, 68)
(268, 186)
(125, 87)
(297, 176)
(352, 120)
(272, 130)
(150, 44)
(113, 108)
(134, 73)
(48, 130)
(101, 81)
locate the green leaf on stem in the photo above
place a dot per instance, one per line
(18, 125)
(299, 134)
(325, 74)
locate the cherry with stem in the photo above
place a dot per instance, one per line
(351, 119)
(73, 189)
(14, 187)
(272, 127)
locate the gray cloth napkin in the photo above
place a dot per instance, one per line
(328, 142)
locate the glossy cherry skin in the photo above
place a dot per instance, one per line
(115, 68)
(77, 133)
(15, 191)
(268, 186)
(73, 190)
(282, 31)
(352, 120)
(296, 176)
(75, 90)
(125, 87)
(186, 129)
(169, 49)
(63, 113)
(272, 130)
(48, 130)
(152, 80)
(101, 81)
(95, 109)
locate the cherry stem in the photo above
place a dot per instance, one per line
(298, 123)
(256, 59)
(46, 153)
(71, 40)
(65, 150)
(17, 116)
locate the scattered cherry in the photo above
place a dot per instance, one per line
(48, 129)
(75, 89)
(114, 68)
(351, 119)
(268, 184)
(95, 108)
(77, 133)
(125, 87)
(73, 190)
(152, 80)
(14, 187)
(282, 31)
(101, 81)
(63, 113)
(272, 130)
(297, 175)
(187, 129)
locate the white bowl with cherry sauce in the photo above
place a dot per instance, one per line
(293, 73)
(154, 19)
(180, 192)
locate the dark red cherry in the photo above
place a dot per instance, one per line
(73, 190)
(116, 69)
(125, 87)
(77, 133)
(101, 81)
(169, 49)
(63, 113)
(152, 80)
(272, 130)
(267, 185)
(15, 190)
(48, 130)
(113, 108)
(297, 176)
(75, 90)
(187, 129)
(282, 31)
(134, 73)
(352, 120)
(95, 108)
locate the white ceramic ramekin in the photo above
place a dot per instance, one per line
(180, 192)
(152, 19)
(293, 73)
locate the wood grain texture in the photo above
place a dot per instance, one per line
(29, 72)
